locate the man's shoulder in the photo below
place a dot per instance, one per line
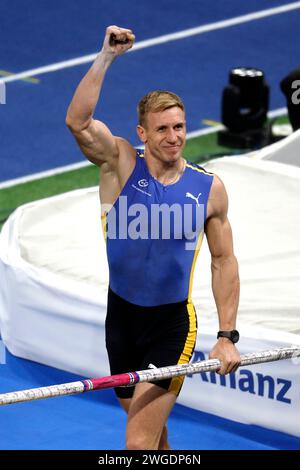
(125, 147)
(218, 199)
(218, 187)
(126, 151)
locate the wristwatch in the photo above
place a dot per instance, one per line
(233, 335)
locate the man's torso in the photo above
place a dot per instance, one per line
(154, 233)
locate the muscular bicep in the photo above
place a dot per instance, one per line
(217, 228)
(97, 143)
(219, 237)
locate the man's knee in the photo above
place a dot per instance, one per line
(141, 442)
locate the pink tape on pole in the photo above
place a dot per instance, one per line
(120, 380)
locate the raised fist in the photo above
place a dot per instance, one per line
(118, 40)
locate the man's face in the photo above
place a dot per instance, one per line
(164, 134)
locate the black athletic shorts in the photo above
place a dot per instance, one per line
(137, 336)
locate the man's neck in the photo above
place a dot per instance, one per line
(165, 172)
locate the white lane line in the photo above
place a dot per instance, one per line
(76, 166)
(44, 174)
(277, 112)
(159, 40)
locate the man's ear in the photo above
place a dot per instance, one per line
(141, 132)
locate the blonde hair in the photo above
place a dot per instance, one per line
(157, 101)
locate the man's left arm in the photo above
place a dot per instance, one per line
(225, 276)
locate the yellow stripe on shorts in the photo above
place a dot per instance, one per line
(188, 349)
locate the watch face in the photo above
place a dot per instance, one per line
(235, 336)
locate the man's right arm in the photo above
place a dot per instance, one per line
(93, 137)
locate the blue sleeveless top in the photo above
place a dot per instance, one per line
(154, 233)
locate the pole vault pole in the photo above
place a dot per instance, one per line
(129, 379)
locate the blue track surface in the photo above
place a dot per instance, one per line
(32, 130)
(95, 420)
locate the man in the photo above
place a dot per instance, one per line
(150, 316)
